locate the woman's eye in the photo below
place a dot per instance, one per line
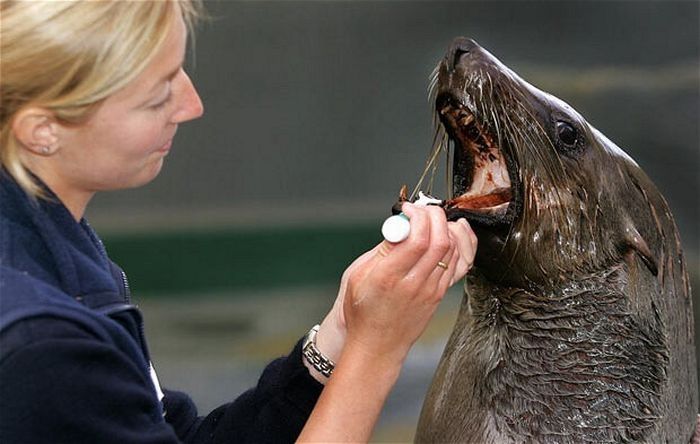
(567, 133)
(161, 104)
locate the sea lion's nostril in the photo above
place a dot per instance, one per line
(460, 47)
(459, 52)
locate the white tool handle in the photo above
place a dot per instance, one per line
(397, 228)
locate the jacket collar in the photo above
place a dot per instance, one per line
(40, 237)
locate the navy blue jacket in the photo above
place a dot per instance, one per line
(74, 366)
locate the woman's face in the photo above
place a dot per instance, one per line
(124, 142)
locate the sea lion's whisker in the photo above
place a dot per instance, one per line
(438, 142)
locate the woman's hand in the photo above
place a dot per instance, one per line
(386, 298)
(388, 295)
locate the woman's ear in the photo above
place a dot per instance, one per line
(36, 130)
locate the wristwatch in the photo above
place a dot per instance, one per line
(313, 356)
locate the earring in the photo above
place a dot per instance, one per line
(46, 150)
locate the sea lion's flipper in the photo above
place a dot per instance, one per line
(634, 242)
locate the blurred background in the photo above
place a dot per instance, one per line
(315, 114)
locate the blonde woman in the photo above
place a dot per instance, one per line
(92, 94)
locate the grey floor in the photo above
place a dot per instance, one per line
(214, 346)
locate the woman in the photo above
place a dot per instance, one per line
(92, 94)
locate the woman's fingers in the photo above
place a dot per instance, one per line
(400, 258)
(440, 248)
(458, 260)
(454, 276)
(465, 242)
(432, 243)
(435, 255)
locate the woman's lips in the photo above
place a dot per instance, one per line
(165, 148)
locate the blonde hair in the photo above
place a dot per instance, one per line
(68, 56)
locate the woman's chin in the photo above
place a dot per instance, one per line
(152, 173)
(145, 176)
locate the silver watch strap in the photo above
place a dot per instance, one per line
(313, 355)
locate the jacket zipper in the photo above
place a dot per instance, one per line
(128, 306)
(127, 289)
(127, 297)
(142, 334)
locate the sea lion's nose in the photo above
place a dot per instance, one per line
(460, 47)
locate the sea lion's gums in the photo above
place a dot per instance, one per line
(577, 323)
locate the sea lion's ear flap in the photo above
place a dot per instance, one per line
(634, 242)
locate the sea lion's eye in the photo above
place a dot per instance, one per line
(567, 133)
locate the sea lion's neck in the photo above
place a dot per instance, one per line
(572, 360)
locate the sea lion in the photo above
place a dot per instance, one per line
(576, 324)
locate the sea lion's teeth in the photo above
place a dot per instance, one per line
(466, 120)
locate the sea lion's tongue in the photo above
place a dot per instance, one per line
(493, 199)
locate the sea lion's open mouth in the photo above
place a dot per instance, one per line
(481, 183)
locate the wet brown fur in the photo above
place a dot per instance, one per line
(576, 325)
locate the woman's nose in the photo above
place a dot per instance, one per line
(189, 105)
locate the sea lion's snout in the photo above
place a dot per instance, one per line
(460, 47)
(482, 188)
(466, 55)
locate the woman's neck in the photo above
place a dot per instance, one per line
(73, 198)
